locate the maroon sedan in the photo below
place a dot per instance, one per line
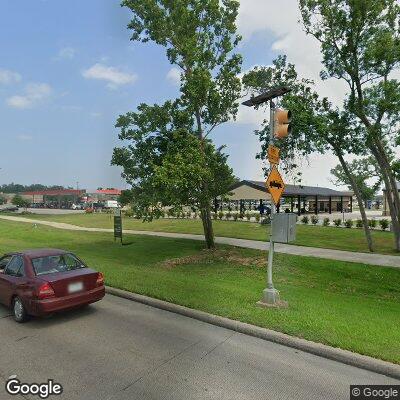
(44, 281)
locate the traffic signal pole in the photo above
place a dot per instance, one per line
(270, 294)
(275, 185)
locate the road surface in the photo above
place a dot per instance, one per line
(122, 350)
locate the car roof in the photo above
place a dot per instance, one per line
(34, 253)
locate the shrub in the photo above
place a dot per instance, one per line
(228, 215)
(26, 213)
(214, 215)
(348, 223)
(266, 220)
(235, 216)
(128, 213)
(359, 223)
(384, 223)
(337, 222)
(89, 210)
(314, 220)
(326, 221)
(241, 215)
(220, 215)
(195, 215)
(257, 217)
(248, 216)
(188, 214)
(305, 220)
(372, 223)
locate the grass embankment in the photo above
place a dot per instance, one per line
(311, 236)
(347, 305)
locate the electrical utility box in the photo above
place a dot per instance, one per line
(284, 227)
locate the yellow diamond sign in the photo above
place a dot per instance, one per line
(275, 185)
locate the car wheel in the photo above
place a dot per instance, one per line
(19, 311)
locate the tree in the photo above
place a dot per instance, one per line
(317, 125)
(166, 167)
(3, 200)
(199, 37)
(363, 170)
(19, 201)
(360, 44)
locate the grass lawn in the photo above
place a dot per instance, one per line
(346, 305)
(313, 236)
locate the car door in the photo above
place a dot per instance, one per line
(4, 261)
(12, 277)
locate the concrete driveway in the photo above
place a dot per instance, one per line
(121, 350)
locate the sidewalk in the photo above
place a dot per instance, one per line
(364, 258)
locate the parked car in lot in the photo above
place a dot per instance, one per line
(44, 281)
(8, 208)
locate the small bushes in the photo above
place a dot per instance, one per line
(128, 213)
(348, 223)
(372, 223)
(384, 223)
(266, 220)
(314, 219)
(257, 217)
(337, 222)
(220, 214)
(304, 220)
(235, 216)
(359, 223)
(326, 221)
(248, 216)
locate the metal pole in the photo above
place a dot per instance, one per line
(270, 284)
(270, 296)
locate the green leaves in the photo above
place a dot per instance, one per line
(199, 37)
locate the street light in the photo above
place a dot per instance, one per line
(279, 128)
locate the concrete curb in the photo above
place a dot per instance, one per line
(332, 353)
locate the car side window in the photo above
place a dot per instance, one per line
(4, 261)
(15, 267)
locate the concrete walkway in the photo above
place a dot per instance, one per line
(364, 258)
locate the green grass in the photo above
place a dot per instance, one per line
(346, 305)
(312, 236)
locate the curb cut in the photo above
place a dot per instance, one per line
(332, 353)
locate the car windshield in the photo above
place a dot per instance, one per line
(56, 263)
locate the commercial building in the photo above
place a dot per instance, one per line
(250, 195)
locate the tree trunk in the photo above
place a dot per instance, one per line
(392, 194)
(205, 203)
(205, 213)
(360, 201)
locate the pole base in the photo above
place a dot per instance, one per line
(271, 298)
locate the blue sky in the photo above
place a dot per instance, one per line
(68, 69)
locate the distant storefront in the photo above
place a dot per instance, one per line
(252, 195)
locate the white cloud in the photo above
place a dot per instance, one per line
(112, 75)
(95, 114)
(66, 53)
(33, 94)
(174, 76)
(266, 16)
(24, 138)
(7, 77)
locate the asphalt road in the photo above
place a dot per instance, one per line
(121, 350)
